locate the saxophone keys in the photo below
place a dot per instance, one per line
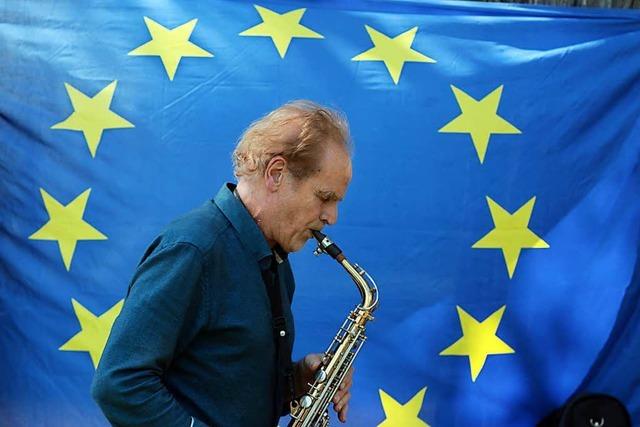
(324, 422)
(321, 375)
(306, 401)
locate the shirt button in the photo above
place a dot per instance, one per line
(282, 333)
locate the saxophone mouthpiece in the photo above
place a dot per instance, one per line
(327, 246)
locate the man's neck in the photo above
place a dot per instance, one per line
(251, 201)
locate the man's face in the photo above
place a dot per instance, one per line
(312, 202)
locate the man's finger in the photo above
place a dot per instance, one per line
(313, 361)
(346, 383)
(342, 402)
(342, 416)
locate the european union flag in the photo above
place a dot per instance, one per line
(495, 199)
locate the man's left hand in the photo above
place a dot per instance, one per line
(306, 369)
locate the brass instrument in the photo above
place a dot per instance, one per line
(311, 409)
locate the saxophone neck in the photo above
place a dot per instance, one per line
(364, 282)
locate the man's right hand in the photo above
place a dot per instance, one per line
(304, 372)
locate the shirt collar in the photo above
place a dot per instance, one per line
(250, 234)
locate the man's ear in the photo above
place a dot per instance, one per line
(274, 173)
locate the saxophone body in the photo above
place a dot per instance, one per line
(311, 409)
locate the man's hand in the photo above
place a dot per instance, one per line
(304, 374)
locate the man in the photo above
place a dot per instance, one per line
(196, 342)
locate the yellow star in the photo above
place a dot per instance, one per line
(393, 51)
(94, 330)
(478, 340)
(511, 233)
(479, 119)
(170, 45)
(397, 414)
(281, 28)
(66, 225)
(92, 115)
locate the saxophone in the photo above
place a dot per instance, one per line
(311, 409)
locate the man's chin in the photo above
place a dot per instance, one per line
(296, 246)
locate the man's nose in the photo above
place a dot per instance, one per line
(329, 216)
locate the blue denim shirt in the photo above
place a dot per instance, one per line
(193, 344)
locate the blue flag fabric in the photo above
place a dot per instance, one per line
(495, 196)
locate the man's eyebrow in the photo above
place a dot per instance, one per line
(328, 195)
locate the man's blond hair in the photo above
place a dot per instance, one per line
(299, 131)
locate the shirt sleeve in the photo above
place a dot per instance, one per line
(165, 308)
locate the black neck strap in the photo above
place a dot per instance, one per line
(285, 381)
